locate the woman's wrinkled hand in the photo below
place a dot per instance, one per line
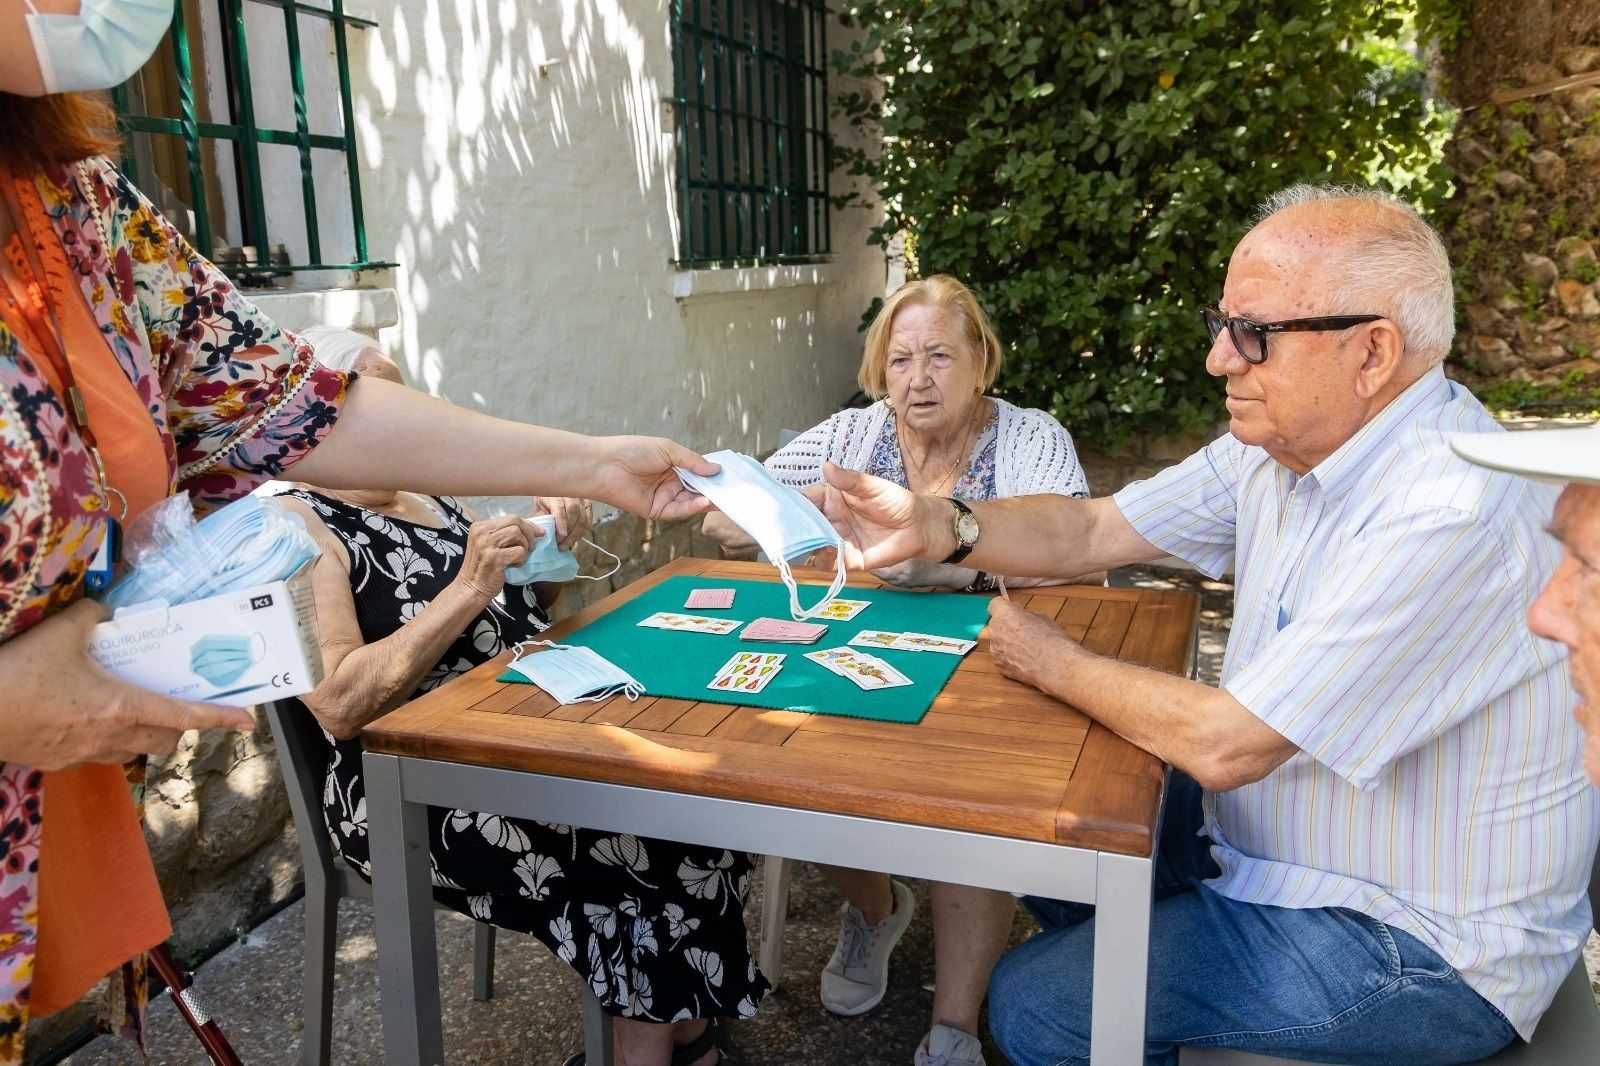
(1025, 645)
(574, 518)
(492, 545)
(62, 708)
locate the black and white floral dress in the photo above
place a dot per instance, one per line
(656, 928)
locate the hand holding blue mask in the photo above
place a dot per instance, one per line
(548, 562)
(785, 524)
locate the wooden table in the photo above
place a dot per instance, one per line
(999, 786)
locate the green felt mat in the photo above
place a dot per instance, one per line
(680, 665)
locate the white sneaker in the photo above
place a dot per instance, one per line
(945, 1045)
(857, 976)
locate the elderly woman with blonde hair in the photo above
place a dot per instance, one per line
(931, 357)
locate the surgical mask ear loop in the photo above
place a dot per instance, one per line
(834, 587)
(517, 652)
(258, 641)
(616, 563)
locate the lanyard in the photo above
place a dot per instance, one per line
(39, 309)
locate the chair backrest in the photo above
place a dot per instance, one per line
(303, 755)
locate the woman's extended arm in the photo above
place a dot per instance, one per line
(392, 437)
(362, 681)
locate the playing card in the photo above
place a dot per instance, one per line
(690, 623)
(710, 599)
(747, 672)
(929, 642)
(844, 610)
(870, 672)
(877, 638)
(831, 658)
(778, 631)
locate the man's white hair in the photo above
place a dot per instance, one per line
(1394, 265)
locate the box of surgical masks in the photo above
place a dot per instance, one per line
(238, 648)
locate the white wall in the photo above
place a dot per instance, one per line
(532, 216)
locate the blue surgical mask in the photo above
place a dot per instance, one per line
(249, 542)
(574, 674)
(100, 47)
(223, 659)
(780, 520)
(546, 562)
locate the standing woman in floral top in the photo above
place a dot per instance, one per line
(131, 370)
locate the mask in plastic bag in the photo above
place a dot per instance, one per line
(547, 562)
(574, 674)
(175, 559)
(783, 522)
(222, 659)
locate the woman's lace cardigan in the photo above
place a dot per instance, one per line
(1034, 454)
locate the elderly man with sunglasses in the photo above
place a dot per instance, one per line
(1378, 832)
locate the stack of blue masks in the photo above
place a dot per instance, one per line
(250, 542)
(546, 562)
(780, 520)
(574, 674)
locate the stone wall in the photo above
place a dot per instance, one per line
(1524, 230)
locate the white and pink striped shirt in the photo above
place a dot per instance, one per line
(1379, 626)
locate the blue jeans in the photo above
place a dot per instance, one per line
(1325, 985)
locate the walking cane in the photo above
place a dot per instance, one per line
(180, 987)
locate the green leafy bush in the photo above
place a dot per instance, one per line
(1087, 167)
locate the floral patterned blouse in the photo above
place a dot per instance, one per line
(234, 398)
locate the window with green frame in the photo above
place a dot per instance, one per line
(241, 129)
(750, 87)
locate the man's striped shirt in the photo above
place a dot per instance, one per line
(1379, 625)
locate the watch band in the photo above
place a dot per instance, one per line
(963, 546)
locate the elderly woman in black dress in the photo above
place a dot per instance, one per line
(411, 593)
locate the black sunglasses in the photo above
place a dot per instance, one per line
(1250, 337)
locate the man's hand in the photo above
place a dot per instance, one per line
(1027, 646)
(882, 523)
(636, 474)
(574, 518)
(63, 708)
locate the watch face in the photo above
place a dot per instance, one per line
(967, 529)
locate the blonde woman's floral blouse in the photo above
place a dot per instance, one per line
(235, 399)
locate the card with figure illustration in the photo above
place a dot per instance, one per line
(929, 642)
(830, 658)
(690, 623)
(877, 638)
(870, 672)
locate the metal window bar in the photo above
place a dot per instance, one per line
(247, 137)
(753, 147)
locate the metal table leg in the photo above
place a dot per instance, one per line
(1121, 960)
(402, 907)
(597, 1046)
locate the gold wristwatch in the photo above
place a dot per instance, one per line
(966, 529)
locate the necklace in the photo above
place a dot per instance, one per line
(961, 453)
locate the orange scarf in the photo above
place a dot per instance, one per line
(99, 902)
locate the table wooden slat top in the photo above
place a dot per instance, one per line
(991, 755)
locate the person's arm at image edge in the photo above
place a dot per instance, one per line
(389, 436)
